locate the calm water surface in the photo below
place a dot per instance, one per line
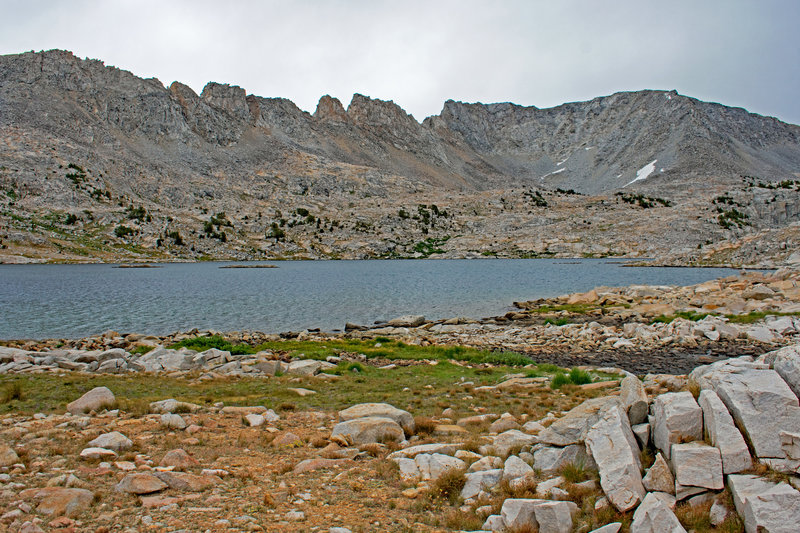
(44, 301)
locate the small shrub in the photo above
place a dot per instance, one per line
(447, 487)
(424, 425)
(559, 380)
(579, 377)
(574, 472)
(123, 231)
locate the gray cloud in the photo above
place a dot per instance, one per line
(418, 53)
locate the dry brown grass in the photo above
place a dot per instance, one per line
(424, 425)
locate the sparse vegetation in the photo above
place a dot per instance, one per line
(645, 202)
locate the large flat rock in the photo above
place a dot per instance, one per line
(677, 417)
(760, 402)
(654, 516)
(383, 410)
(368, 430)
(765, 506)
(719, 426)
(613, 447)
(572, 427)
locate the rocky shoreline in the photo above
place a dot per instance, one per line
(719, 360)
(642, 329)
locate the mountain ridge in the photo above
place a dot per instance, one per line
(164, 146)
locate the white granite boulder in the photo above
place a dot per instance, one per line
(113, 441)
(787, 364)
(515, 467)
(760, 402)
(698, 467)
(549, 459)
(724, 434)
(572, 427)
(659, 477)
(765, 506)
(368, 430)
(613, 447)
(94, 400)
(653, 516)
(677, 417)
(432, 466)
(634, 399)
(478, 481)
(383, 410)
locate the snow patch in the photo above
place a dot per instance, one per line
(554, 172)
(644, 172)
(589, 148)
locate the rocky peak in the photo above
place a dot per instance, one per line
(371, 112)
(229, 98)
(330, 109)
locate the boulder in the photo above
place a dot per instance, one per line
(659, 477)
(698, 467)
(787, 364)
(634, 399)
(186, 482)
(550, 459)
(409, 471)
(178, 459)
(94, 400)
(677, 417)
(653, 516)
(760, 402)
(515, 467)
(614, 449)
(172, 421)
(407, 321)
(140, 483)
(97, 453)
(512, 439)
(719, 426)
(572, 427)
(543, 516)
(613, 527)
(765, 506)
(113, 441)
(8, 456)
(642, 433)
(59, 501)
(432, 466)
(173, 406)
(490, 462)
(368, 430)
(478, 481)
(413, 451)
(383, 410)
(307, 367)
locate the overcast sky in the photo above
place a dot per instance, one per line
(421, 53)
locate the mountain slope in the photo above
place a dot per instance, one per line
(83, 139)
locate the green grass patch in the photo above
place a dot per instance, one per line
(749, 318)
(755, 316)
(580, 309)
(383, 347)
(576, 376)
(141, 350)
(688, 315)
(202, 344)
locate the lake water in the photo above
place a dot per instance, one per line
(48, 301)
